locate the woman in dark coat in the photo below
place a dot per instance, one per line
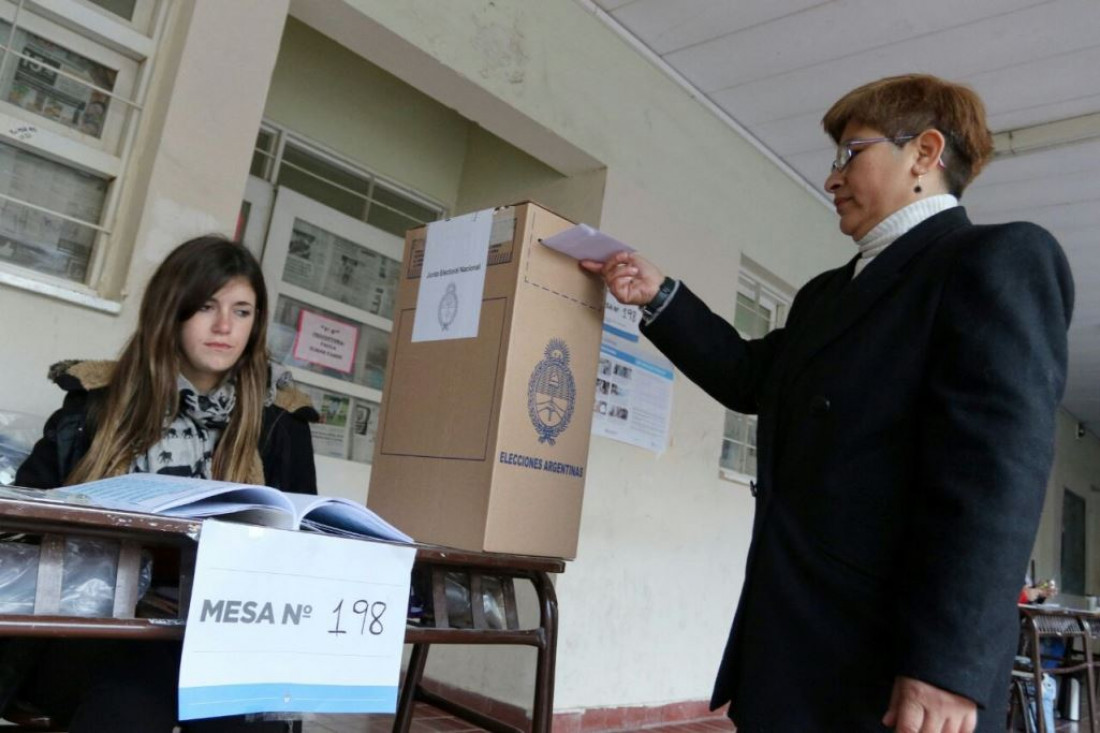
(906, 434)
(193, 394)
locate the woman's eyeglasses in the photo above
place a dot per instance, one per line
(844, 152)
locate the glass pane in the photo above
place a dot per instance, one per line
(363, 429)
(372, 345)
(35, 84)
(338, 268)
(261, 158)
(750, 421)
(735, 426)
(731, 456)
(330, 431)
(38, 240)
(393, 200)
(313, 177)
(121, 8)
(764, 315)
(750, 462)
(391, 221)
(746, 318)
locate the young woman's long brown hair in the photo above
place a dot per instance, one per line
(143, 395)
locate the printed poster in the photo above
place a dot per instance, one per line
(633, 395)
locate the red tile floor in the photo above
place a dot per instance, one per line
(428, 719)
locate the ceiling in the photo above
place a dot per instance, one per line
(772, 67)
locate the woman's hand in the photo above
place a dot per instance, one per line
(918, 707)
(631, 278)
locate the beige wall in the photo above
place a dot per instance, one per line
(496, 173)
(329, 94)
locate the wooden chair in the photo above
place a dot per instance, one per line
(1038, 623)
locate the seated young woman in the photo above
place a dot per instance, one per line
(193, 394)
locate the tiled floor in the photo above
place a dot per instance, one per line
(428, 719)
(431, 720)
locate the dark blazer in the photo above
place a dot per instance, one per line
(905, 437)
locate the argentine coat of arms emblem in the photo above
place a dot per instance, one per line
(448, 307)
(551, 392)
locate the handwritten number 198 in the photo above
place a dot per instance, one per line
(371, 614)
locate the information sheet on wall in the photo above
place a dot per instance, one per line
(633, 394)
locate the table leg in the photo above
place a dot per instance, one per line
(419, 658)
(542, 713)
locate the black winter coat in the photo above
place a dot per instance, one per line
(905, 438)
(286, 447)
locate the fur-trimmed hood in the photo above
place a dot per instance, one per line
(74, 375)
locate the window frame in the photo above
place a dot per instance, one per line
(753, 282)
(103, 38)
(267, 227)
(284, 136)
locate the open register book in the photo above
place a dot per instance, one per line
(198, 498)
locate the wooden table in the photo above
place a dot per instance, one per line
(135, 531)
(1078, 628)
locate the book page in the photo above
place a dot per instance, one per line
(155, 493)
(232, 511)
(336, 515)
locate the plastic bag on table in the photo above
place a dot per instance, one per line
(18, 433)
(89, 571)
(459, 610)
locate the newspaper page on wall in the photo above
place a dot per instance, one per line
(338, 268)
(43, 82)
(346, 427)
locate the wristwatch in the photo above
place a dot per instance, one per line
(650, 309)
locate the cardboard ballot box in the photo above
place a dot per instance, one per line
(482, 441)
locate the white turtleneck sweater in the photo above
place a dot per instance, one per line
(898, 223)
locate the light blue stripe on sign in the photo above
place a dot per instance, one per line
(636, 361)
(218, 700)
(620, 333)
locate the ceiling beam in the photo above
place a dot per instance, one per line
(1046, 136)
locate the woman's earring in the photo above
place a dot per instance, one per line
(918, 188)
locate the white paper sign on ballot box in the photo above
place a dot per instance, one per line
(284, 621)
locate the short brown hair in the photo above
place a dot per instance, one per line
(913, 103)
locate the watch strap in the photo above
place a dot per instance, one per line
(650, 309)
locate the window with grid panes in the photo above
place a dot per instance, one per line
(68, 105)
(285, 160)
(758, 310)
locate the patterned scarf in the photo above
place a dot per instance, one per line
(187, 446)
